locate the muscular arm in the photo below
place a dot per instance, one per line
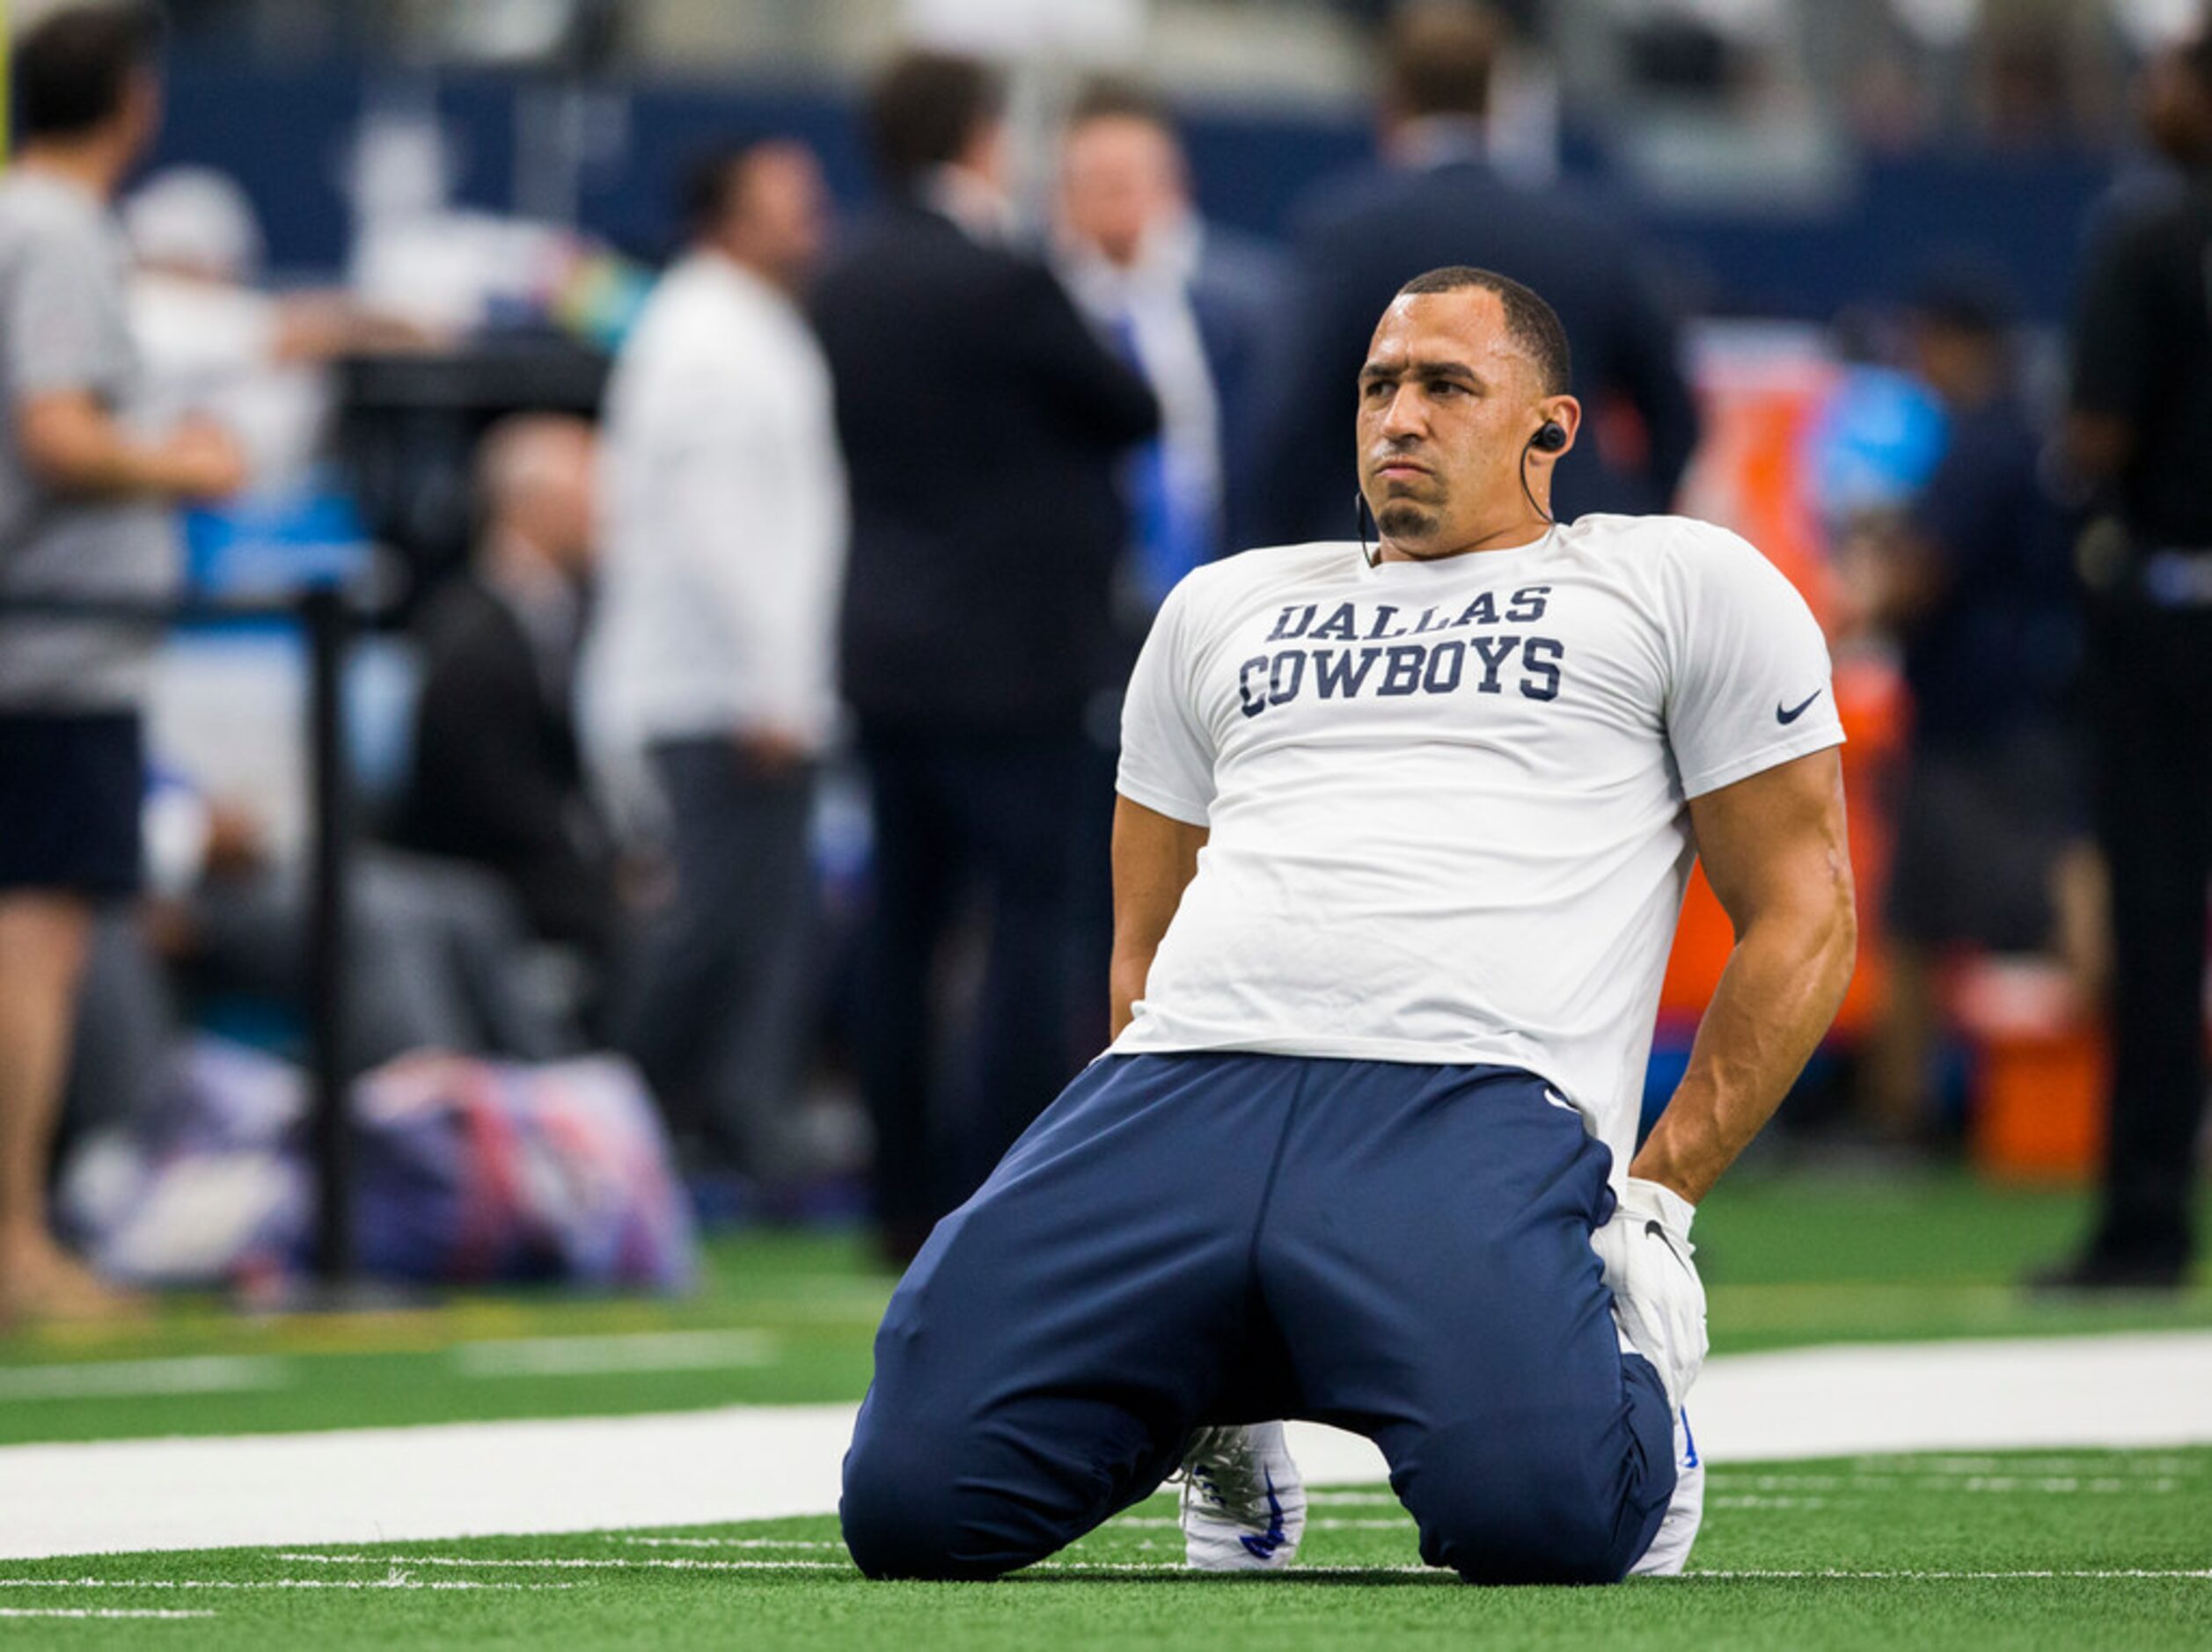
(1155, 857)
(1774, 849)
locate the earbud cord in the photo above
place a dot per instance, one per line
(1549, 520)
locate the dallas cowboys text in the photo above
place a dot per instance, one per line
(1370, 658)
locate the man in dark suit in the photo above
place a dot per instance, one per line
(982, 421)
(497, 779)
(1190, 304)
(1436, 201)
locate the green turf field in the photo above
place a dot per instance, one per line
(2104, 1549)
(1788, 1262)
(2044, 1549)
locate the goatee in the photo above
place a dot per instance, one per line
(1403, 520)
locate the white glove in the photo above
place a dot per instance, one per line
(1658, 1302)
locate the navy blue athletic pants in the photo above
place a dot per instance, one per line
(1402, 1251)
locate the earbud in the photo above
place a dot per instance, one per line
(1550, 436)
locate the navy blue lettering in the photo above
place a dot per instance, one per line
(1482, 612)
(1403, 675)
(1495, 652)
(1437, 680)
(1278, 691)
(1380, 630)
(1542, 683)
(1252, 702)
(1528, 604)
(1334, 673)
(1284, 628)
(1337, 624)
(1429, 621)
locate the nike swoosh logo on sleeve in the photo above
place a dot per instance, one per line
(1786, 718)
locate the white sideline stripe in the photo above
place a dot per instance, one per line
(672, 1470)
(1937, 1577)
(601, 1356)
(556, 1562)
(95, 1612)
(1173, 1568)
(196, 1374)
(748, 1542)
(261, 1582)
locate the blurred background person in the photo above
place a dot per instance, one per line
(1190, 305)
(497, 777)
(2140, 431)
(437, 958)
(1437, 200)
(712, 652)
(984, 422)
(86, 486)
(217, 346)
(1975, 580)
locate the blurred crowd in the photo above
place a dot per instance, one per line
(881, 509)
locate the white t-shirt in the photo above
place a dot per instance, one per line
(1447, 802)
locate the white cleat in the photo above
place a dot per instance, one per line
(1685, 1511)
(1243, 1504)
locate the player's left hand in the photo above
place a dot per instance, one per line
(1658, 1297)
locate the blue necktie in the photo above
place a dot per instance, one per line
(1171, 530)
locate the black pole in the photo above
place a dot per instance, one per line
(324, 615)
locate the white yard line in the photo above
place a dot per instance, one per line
(738, 1543)
(93, 1612)
(1173, 1569)
(109, 1380)
(694, 1468)
(600, 1356)
(387, 1582)
(1939, 1577)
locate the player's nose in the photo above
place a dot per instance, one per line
(1403, 416)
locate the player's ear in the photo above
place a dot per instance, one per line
(1561, 421)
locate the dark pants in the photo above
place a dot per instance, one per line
(72, 784)
(956, 815)
(717, 1008)
(1184, 1240)
(2152, 685)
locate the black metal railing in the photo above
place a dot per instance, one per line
(328, 620)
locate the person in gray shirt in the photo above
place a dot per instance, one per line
(86, 500)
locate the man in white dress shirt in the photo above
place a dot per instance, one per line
(712, 668)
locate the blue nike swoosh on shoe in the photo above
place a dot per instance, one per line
(1795, 712)
(1263, 1544)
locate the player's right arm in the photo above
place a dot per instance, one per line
(1164, 795)
(1155, 857)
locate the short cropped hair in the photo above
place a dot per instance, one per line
(1530, 322)
(1119, 97)
(1438, 59)
(926, 109)
(70, 72)
(713, 181)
